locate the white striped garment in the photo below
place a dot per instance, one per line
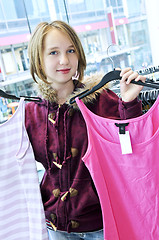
(21, 210)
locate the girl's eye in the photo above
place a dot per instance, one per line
(71, 51)
(53, 53)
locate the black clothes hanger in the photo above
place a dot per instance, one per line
(26, 98)
(111, 76)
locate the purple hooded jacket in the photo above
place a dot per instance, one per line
(59, 139)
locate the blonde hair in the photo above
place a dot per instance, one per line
(35, 48)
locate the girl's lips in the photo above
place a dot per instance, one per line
(64, 71)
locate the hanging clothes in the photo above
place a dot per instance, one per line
(148, 97)
(21, 209)
(127, 184)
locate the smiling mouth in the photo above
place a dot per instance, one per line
(64, 71)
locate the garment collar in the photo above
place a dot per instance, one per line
(48, 93)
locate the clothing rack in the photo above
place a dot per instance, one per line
(148, 70)
(148, 97)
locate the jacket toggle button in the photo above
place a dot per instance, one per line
(53, 226)
(63, 198)
(57, 164)
(50, 117)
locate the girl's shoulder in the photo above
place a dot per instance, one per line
(35, 109)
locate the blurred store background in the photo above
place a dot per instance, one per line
(131, 27)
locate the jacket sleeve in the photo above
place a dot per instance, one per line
(131, 109)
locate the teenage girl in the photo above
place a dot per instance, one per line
(58, 133)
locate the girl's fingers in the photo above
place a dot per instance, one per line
(125, 70)
(128, 76)
(140, 77)
(132, 76)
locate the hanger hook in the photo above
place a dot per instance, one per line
(109, 55)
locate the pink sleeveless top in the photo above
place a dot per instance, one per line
(127, 184)
(21, 210)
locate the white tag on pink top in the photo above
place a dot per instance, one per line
(125, 143)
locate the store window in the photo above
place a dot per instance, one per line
(131, 25)
(22, 58)
(9, 63)
(91, 20)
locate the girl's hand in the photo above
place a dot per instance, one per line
(130, 91)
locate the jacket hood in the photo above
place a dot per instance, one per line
(88, 82)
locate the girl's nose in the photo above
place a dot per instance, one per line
(64, 59)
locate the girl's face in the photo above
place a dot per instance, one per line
(60, 58)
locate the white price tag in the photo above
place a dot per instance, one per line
(125, 143)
